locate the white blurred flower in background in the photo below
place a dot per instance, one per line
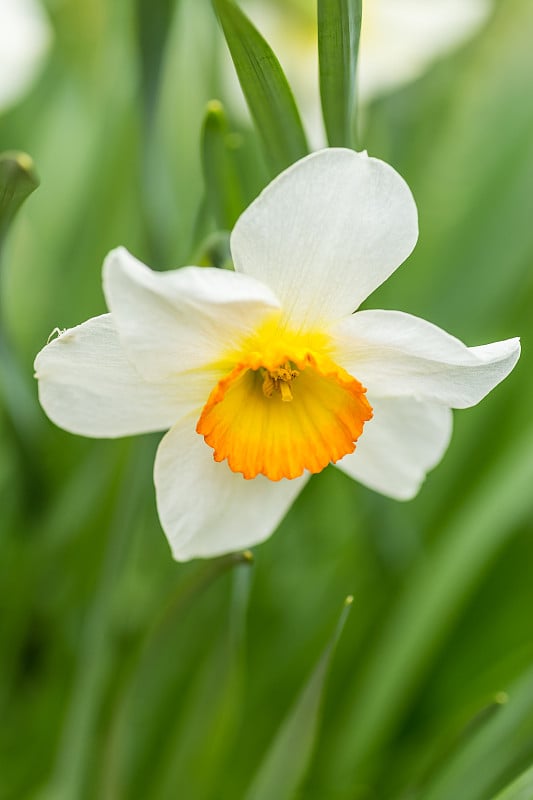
(25, 38)
(401, 38)
(399, 41)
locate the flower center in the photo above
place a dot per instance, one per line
(283, 409)
(279, 380)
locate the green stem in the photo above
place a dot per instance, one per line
(139, 668)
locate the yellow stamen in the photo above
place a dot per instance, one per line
(285, 389)
(279, 380)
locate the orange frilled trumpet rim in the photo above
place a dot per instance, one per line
(284, 417)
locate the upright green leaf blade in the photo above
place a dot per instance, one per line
(265, 88)
(212, 711)
(339, 27)
(225, 195)
(426, 610)
(18, 180)
(154, 21)
(286, 763)
(494, 754)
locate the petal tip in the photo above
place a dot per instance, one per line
(116, 254)
(120, 258)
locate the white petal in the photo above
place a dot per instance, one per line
(180, 320)
(25, 37)
(400, 444)
(206, 509)
(327, 232)
(396, 354)
(88, 386)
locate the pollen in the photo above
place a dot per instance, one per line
(282, 411)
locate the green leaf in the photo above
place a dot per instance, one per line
(217, 688)
(339, 27)
(425, 613)
(154, 18)
(18, 180)
(288, 758)
(212, 711)
(153, 23)
(265, 88)
(521, 789)
(224, 190)
(498, 749)
(72, 770)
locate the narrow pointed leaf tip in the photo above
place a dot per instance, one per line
(265, 88)
(18, 179)
(339, 28)
(286, 763)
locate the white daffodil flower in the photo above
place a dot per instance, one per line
(264, 375)
(25, 37)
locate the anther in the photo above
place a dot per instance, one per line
(279, 380)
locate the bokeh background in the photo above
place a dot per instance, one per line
(126, 675)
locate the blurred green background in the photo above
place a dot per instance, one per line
(126, 675)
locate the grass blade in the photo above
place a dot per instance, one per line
(153, 26)
(148, 679)
(500, 748)
(211, 713)
(426, 611)
(286, 763)
(339, 28)
(265, 88)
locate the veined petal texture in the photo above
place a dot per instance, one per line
(205, 508)
(180, 320)
(326, 233)
(401, 443)
(88, 386)
(399, 355)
